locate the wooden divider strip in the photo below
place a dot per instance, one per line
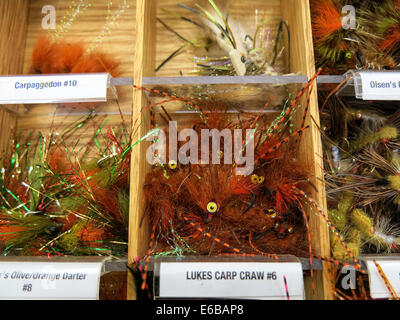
(297, 13)
(144, 66)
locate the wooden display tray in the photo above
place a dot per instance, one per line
(140, 43)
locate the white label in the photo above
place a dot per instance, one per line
(378, 289)
(380, 85)
(54, 88)
(49, 280)
(231, 280)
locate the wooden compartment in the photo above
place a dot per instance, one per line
(108, 26)
(183, 64)
(140, 43)
(93, 25)
(339, 96)
(151, 48)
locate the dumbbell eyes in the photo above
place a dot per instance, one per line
(212, 207)
(255, 179)
(172, 164)
(270, 212)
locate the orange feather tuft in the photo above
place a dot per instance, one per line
(91, 233)
(63, 57)
(326, 18)
(243, 185)
(96, 62)
(67, 56)
(397, 4)
(8, 231)
(42, 56)
(392, 38)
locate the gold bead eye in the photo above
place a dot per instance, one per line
(254, 179)
(212, 207)
(172, 164)
(260, 180)
(270, 212)
(290, 230)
